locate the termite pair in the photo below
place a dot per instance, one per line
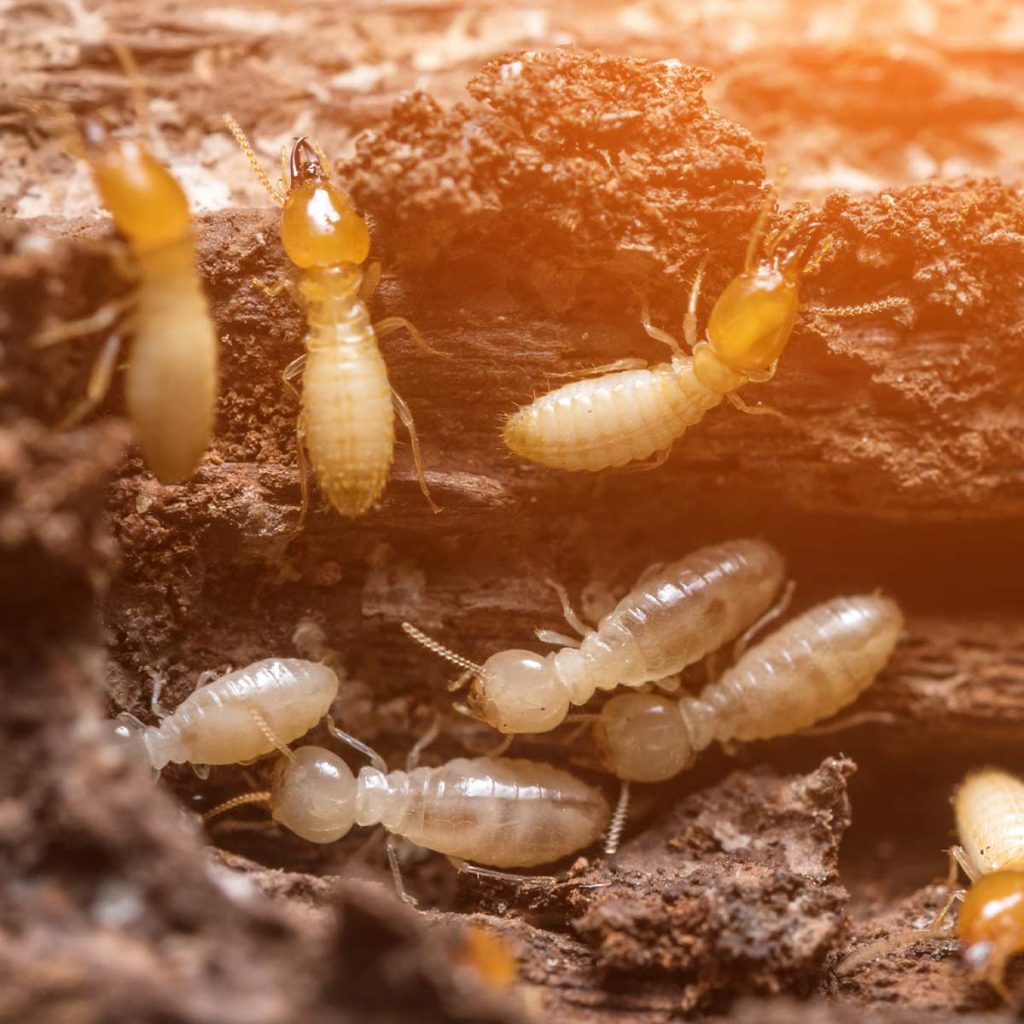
(615, 418)
(171, 373)
(807, 671)
(989, 811)
(501, 813)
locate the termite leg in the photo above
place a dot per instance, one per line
(850, 721)
(371, 279)
(272, 737)
(628, 363)
(654, 462)
(206, 677)
(396, 873)
(101, 320)
(756, 410)
(201, 771)
(405, 415)
(368, 752)
(568, 611)
(292, 370)
(390, 324)
(618, 823)
(690, 319)
(412, 759)
(555, 639)
(158, 710)
(100, 377)
(958, 855)
(504, 876)
(777, 609)
(656, 332)
(456, 684)
(500, 748)
(650, 572)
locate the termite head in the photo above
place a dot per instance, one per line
(751, 322)
(991, 925)
(314, 794)
(519, 692)
(148, 206)
(320, 226)
(641, 737)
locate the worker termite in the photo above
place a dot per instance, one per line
(609, 420)
(815, 665)
(236, 717)
(348, 405)
(671, 619)
(171, 373)
(501, 812)
(989, 811)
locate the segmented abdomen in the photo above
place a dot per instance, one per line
(607, 421)
(171, 377)
(808, 670)
(990, 819)
(216, 724)
(347, 412)
(695, 605)
(503, 812)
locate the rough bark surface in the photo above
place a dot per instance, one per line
(525, 206)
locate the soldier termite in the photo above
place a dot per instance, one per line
(238, 716)
(500, 812)
(989, 810)
(171, 373)
(609, 420)
(808, 670)
(348, 406)
(671, 619)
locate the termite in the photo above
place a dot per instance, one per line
(811, 668)
(236, 717)
(989, 811)
(671, 619)
(500, 812)
(615, 418)
(348, 405)
(171, 372)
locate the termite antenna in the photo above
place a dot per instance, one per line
(130, 67)
(244, 145)
(618, 823)
(439, 649)
(367, 751)
(263, 797)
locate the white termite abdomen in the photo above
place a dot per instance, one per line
(608, 421)
(171, 374)
(804, 672)
(675, 618)
(238, 716)
(989, 807)
(347, 412)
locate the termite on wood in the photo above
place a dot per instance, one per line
(671, 619)
(605, 421)
(348, 405)
(171, 372)
(238, 716)
(805, 672)
(989, 810)
(500, 812)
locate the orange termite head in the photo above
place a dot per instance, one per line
(148, 206)
(991, 925)
(751, 321)
(320, 226)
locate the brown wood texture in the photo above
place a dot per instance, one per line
(523, 207)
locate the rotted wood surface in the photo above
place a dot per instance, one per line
(521, 230)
